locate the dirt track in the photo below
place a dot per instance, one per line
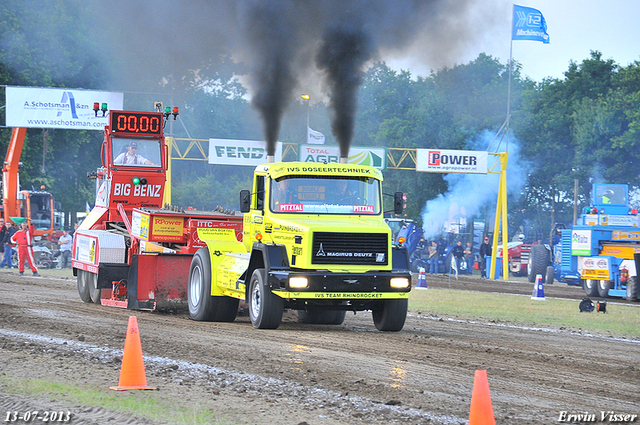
(315, 374)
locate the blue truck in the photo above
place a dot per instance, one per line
(601, 252)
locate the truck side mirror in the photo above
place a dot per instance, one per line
(245, 201)
(397, 203)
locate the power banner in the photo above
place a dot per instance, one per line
(450, 161)
(34, 107)
(374, 157)
(240, 152)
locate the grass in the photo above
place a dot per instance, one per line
(619, 321)
(144, 404)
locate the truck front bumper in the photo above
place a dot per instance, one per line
(329, 285)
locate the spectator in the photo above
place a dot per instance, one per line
(24, 239)
(8, 247)
(75, 227)
(65, 243)
(131, 157)
(485, 251)
(556, 238)
(468, 256)
(458, 257)
(433, 258)
(3, 231)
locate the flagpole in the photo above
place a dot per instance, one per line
(308, 99)
(509, 82)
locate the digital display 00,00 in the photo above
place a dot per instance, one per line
(136, 122)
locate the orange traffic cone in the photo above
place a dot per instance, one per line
(132, 374)
(481, 412)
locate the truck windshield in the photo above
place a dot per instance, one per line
(40, 210)
(136, 152)
(611, 194)
(325, 195)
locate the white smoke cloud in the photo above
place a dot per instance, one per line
(469, 194)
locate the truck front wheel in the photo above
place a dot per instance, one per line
(265, 308)
(202, 305)
(390, 315)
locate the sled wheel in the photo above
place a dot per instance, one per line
(88, 287)
(83, 287)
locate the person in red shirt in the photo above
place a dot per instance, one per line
(24, 239)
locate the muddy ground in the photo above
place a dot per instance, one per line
(305, 374)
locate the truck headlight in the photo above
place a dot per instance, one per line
(298, 282)
(399, 282)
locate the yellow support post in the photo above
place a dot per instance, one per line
(501, 210)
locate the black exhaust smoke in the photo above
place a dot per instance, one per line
(284, 44)
(342, 55)
(271, 33)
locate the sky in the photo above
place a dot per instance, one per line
(575, 27)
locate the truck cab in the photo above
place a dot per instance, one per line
(314, 240)
(598, 253)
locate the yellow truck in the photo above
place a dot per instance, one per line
(313, 240)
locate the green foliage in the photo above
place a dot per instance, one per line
(582, 128)
(219, 188)
(585, 126)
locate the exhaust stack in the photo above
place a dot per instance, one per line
(344, 160)
(271, 159)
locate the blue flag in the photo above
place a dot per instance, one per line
(529, 24)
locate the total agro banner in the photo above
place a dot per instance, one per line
(451, 161)
(374, 157)
(34, 107)
(240, 152)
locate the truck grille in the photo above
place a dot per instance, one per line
(524, 254)
(350, 248)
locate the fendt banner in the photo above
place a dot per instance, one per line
(240, 152)
(36, 107)
(449, 161)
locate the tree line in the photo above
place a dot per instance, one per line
(584, 127)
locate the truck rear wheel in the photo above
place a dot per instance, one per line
(321, 317)
(590, 287)
(390, 315)
(202, 305)
(539, 259)
(88, 287)
(603, 288)
(265, 308)
(632, 288)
